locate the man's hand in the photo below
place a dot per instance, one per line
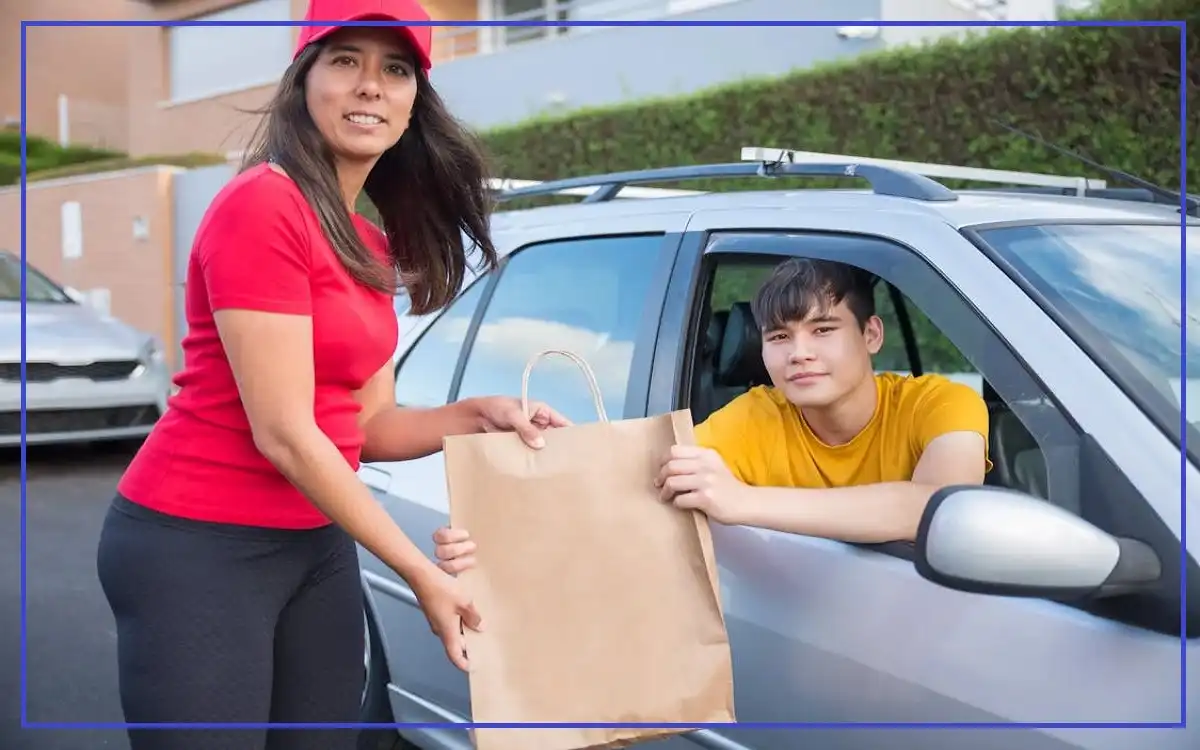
(504, 414)
(453, 549)
(697, 479)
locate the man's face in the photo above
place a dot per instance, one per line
(817, 361)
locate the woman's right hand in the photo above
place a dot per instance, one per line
(447, 608)
(454, 550)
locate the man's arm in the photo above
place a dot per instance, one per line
(949, 424)
(868, 514)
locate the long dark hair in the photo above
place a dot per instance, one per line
(429, 189)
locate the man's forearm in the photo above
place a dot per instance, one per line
(866, 514)
(401, 434)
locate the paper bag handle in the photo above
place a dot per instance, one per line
(597, 399)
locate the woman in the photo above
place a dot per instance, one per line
(228, 556)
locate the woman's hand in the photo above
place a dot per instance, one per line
(504, 414)
(447, 608)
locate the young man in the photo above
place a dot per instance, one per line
(830, 449)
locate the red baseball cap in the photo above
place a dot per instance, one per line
(421, 37)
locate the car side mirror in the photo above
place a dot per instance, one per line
(74, 295)
(989, 540)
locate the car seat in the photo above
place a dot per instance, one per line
(704, 399)
(1017, 460)
(739, 361)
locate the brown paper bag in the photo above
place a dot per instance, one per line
(600, 603)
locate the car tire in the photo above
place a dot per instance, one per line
(375, 708)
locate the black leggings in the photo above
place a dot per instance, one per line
(219, 623)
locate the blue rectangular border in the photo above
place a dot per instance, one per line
(1181, 724)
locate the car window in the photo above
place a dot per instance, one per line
(583, 295)
(951, 341)
(424, 374)
(38, 288)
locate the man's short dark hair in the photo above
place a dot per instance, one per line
(799, 287)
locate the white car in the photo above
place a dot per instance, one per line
(89, 377)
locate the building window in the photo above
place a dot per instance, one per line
(207, 61)
(529, 10)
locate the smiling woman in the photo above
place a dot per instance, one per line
(229, 556)
(388, 133)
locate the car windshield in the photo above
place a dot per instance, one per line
(38, 288)
(1120, 289)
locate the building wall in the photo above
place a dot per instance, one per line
(161, 124)
(137, 272)
(87, 64)
(607, 66)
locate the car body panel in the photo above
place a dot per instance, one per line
(827, 632)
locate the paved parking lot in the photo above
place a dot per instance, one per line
(71, 670)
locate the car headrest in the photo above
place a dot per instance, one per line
(713, 335)
(739, 361)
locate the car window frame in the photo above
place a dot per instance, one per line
(488, 281)
(637, 391)
(883, 257)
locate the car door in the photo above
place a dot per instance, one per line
(594, 290)
(831, 633)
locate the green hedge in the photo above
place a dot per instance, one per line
(1111, 93)
(48, 161)
(41, 154)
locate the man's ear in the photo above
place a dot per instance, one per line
(873, 333)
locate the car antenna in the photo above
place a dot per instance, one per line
(1116, 174)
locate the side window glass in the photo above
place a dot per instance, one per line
(423, 378)
(586, 296)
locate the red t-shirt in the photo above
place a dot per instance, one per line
(260, 247)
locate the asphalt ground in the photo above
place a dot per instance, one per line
(70, 644)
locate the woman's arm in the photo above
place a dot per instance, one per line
(271, 358)
(396, 433)
(255, 264)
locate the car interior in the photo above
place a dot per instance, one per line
(728, 363)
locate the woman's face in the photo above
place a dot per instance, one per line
(360, 91)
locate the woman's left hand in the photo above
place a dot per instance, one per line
(504, 414)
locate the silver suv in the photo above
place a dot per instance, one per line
(1052, 595)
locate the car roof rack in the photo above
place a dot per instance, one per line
(1080, 184)
(506, 185)
(884, 180)
(903, 179)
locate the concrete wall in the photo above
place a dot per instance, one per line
(611, 65)
(127, 239)
(86, 64)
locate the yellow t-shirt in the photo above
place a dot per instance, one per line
(766, 443)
